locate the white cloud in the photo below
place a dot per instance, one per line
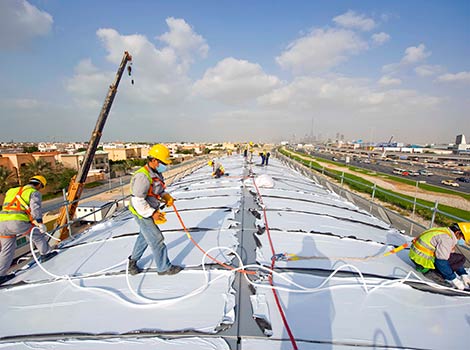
(160, 74)
(428, 70)
(234, 81)
(183, 40)
(388, 81)
(88, 85)
(347, 104)
(353, 20)
(463, 77)
(341, 93)
(412, 55)
(320, 50)
(20, 103)
(415, 54)
(380, 38)
(20, 23)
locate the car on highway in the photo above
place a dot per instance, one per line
(425, 172)
(463, 179)
(398, 171)
(450, 183)
(412, 173)
(457, 172)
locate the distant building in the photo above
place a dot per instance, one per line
(460, 139)
(74, 161)
(461, 145)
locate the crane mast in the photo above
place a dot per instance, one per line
(77, 183)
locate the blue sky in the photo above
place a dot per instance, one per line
(236, 70)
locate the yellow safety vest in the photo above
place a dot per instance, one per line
(16, 204)
(422, 251)
(145, 170)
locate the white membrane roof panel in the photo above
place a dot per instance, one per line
(232, 202)
(270, 344)
(186, 194)
(345, 313)
(106, 305)
(209, 219)
(222, 182)
(299, 186)
(315, 208)
(290, 221)
(189, 343)
(329, 253)
(329, 199)
(111, 255)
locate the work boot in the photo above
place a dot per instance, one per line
(48, 256)
(6, 278)
(133, 268)
(173, 270)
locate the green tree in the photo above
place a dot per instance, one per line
(60, 178)
(30, 149)
(7, 179)
(36, 167)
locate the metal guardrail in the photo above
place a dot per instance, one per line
(407, 225)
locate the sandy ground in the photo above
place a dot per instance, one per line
(442, 198)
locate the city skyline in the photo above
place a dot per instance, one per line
(220, 70)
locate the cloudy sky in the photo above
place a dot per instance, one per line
(224, 70)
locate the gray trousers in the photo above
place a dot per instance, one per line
(8, 245)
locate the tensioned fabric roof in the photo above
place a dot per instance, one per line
(335, 289)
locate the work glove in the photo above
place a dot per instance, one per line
(457, 284)
(42, 228)
(159, 217)
(168, 199)
(466, 280)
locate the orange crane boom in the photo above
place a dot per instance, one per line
(77, 182)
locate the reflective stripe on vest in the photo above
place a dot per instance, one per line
(422, 251)
(16, 204)
(145, 170)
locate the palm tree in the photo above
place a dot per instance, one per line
(36, 167)
(7, 179)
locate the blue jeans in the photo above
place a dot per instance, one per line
(447, 267)
(150, 235)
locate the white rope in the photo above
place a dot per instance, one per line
(146, 301)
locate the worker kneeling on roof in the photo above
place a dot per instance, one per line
(217, 168)
(21, 212)
(434, 249)
(148, 191)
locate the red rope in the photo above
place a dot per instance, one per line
(273, 262)
(202, 250)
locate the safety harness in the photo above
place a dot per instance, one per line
(145, 170)
(421, 251)
(17, 208)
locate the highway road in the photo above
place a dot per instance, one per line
(387, 168)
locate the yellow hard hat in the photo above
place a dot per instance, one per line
(251, 143)
(465, 229)
(39, 178)
(210, 163)
(161, 153)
